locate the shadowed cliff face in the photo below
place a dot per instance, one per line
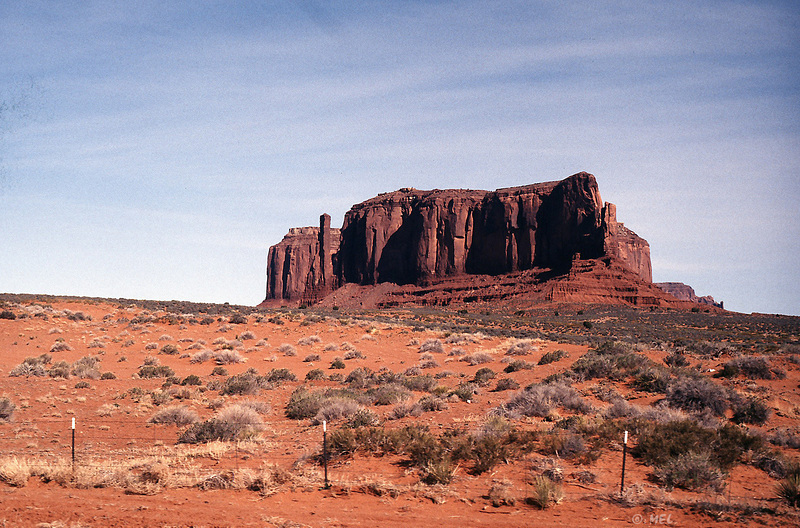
(415, 237)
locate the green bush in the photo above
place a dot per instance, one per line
(337, 364)
(692, 471)
(483, 375)
(788, 490)
(155, 371)
(552, 356)
(169, 349)
(505, 384)
(697, 394)
(303, 404)
(191, 379)
(315, 374)
(752, 411)
(517, 365)
(280, 375)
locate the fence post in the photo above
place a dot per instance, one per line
(624, 453)
(73, 444)
(325, 453)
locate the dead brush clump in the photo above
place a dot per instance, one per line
(227, 357)
(202, 356)
(540, 399)
(7, 408)
(431, 345)
(309, 340)
(477, 358)
(14, 471)
(545, 493)
(268, 480)
(501, 493)
(521, 347)
(235, 422)
(179, 415)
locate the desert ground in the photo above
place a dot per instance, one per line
(208, 415)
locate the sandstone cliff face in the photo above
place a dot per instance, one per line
(416, 237)
(300, 267)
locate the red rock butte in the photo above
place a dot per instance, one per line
(545, 242)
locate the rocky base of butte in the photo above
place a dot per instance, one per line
(554, 242)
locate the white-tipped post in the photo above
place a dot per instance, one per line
(73, 423)
(624, 454)
(325, 427)
(327, 484)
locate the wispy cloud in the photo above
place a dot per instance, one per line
(266, 115)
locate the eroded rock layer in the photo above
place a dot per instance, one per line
(413, 237)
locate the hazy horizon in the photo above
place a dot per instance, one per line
(156, 151)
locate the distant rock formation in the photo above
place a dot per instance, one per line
(684, 292)
(413, 237)
(300, 267)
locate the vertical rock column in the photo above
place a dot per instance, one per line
(325, 255)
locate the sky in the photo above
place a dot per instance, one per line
(155, 150)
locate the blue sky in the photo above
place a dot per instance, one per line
(157, 149)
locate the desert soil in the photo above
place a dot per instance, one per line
(113, 433)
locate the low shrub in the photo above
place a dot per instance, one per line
(751, 411)
(246, 383)
(7, 408)
(483, 376)
(315, 374)
(311, 357)
(465, 391)
(86, 367)
(169, 349)
(309, 340)
(432, 345)
(303, 404)
(336, 408)
(60, 346)
(522, 347)
(201, 356)
(552, 356)
(477, 358)
(388, 394)
(179, 415)
(539, 399)
(432, 403)
(546, 493)
(155, 371)
(752, 367)
(402, 410)
(517, 365)
(788, 490)
(278, 375)
(287, 350)
(563, 444)
(505, 384)
(192, 379)
(696, 394)
(227, 357)
(235, 422)
(691, 471)
(439, 472)
(422, 383)
(337, 364)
